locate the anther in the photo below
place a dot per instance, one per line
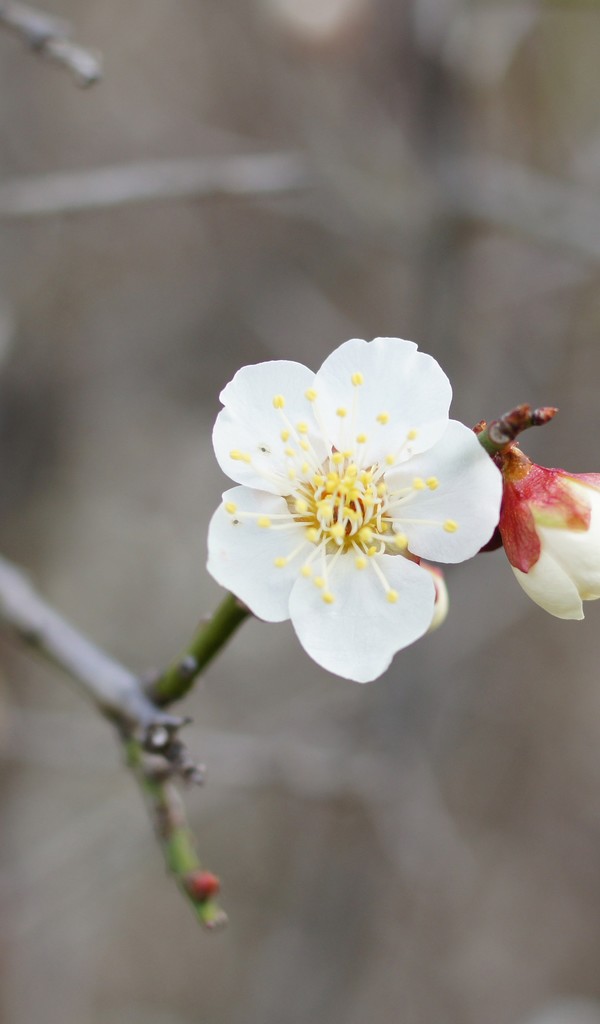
(412, 434)
(337, 531)
(291, 454)
(383, 418)
(337, 458)
(231, 507)
(301, 506)
(304, 468)
(263, 521)
(450, 526)
(302, 428)
(278, 401)
(360, 562)
(341, 412)
(319, 582)
(312, 534)
(392, 596)
(328, 597)
(291, 473)
(239, 456)
(306, 571)
(361, 439)
(432, 483)
(280, 562)
(305, 446)
(311, 394)
(285, 435)
(357, 379)
(390, 460)
(401, 541)
(418, 484)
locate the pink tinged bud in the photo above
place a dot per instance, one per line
(550, 528)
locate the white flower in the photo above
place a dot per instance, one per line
(341, 472)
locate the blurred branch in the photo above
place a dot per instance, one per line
(154, 757)
(116, 692)
(49, 36)
(255, 175)
(513, 197)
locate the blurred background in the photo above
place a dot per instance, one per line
(287, 174)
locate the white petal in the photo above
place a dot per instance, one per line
(241, 553)
(357, 636)
(251, 425)
(468, 494)
(548, 585)
(399, 382)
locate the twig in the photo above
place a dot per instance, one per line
(175, 838)
(257, 175)
(49, 36)
(181, 674)
(115, 690)
(154, 751)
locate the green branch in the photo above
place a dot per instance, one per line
(177, 680)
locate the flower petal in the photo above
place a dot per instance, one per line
(259, 433)
(241, 554)
(550, 586)
(357, 636)
(402, 390)
(452, 521)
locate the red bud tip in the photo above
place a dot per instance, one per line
(202, 885)
(541, 416)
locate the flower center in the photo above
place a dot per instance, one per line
(342, 506)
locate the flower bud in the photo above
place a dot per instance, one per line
(550, 528)
(440, 608)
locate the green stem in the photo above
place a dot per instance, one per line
(174, 835)
(179, 677)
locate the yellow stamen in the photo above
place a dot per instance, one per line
(450, 526)
(383, 418)
(390, 460)
(401, 541)
(285, 435)
(319, 582)
(432, 483)
(291, 473)
(312, 534)
(328, 597)
(278, 401)
(291, 454)
(239, 456)
(357, 379)
(280, 562)
(302, 428)
(337, 458)
(263, 521)
(360, 562)
(418, 484)
(361, 439)
(311, 394)
(337, 531)
(392, 596)
(306, 571)
(412, 434)
(301, 506)
(341, 412)
(231, 507)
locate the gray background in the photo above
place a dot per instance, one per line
(422, 850)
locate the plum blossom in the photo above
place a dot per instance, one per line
(550, 528)
(346, 479)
